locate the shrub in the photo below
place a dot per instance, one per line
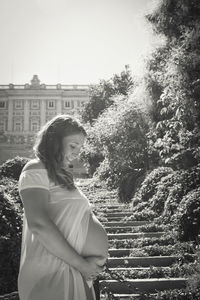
(91, 152)
(103, 173)
(10, 241)
(184, 181)
(129, 183)
(187, 217)
(164, 194)
(123, 143)
(149, 185)
(194, 280)
(164, 187)
(10, 216)
(10, 186)
(12, 167)
(9, 263)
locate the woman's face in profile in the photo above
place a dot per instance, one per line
(72, 145)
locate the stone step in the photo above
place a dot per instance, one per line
(143, 261)
(117, 209)
(129, 223)
(134, 268)
(118, 214)
(143, 285)
(113, 206)
(120, 229)
(119, 252)
(115, 218)
(121, 236)
(131, 296)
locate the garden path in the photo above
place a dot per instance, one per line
(130, 272)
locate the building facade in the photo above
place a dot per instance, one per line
(24, 109)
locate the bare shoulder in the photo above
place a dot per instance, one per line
(34, 164)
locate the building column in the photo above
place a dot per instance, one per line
(26, 116)
(59, 106)
(42, 112)
(10, 115)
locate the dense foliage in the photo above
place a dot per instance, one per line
(150, 138)
(101, 94)
(11, 213)
(188, 216)
(10, 240)
(173, 197)
(91, 153)
(173, 82)
(123, 143)
(12, 167)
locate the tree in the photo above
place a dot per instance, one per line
(101, 94)
(173, 81)
(119, 134)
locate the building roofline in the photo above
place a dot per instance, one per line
(44, 87)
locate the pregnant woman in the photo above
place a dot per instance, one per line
(64, 246)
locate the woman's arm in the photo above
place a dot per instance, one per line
(35, 202)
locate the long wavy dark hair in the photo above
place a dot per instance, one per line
(48, 147)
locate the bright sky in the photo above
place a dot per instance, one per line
(71, 41)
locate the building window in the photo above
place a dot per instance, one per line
(18, 113)
(18, 104)
(35, 104)
(34, 113)
(2, 126)
(51, 104)
(2, 104)
(67, 104)
(18, 126)
(34, 126)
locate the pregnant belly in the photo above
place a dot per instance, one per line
(96, 243)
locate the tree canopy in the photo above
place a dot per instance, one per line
(101, 94)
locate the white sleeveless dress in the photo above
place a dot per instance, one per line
(43, 276)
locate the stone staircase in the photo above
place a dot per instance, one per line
(120, 260)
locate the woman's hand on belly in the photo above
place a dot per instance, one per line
(99, 260)
(92, 267)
